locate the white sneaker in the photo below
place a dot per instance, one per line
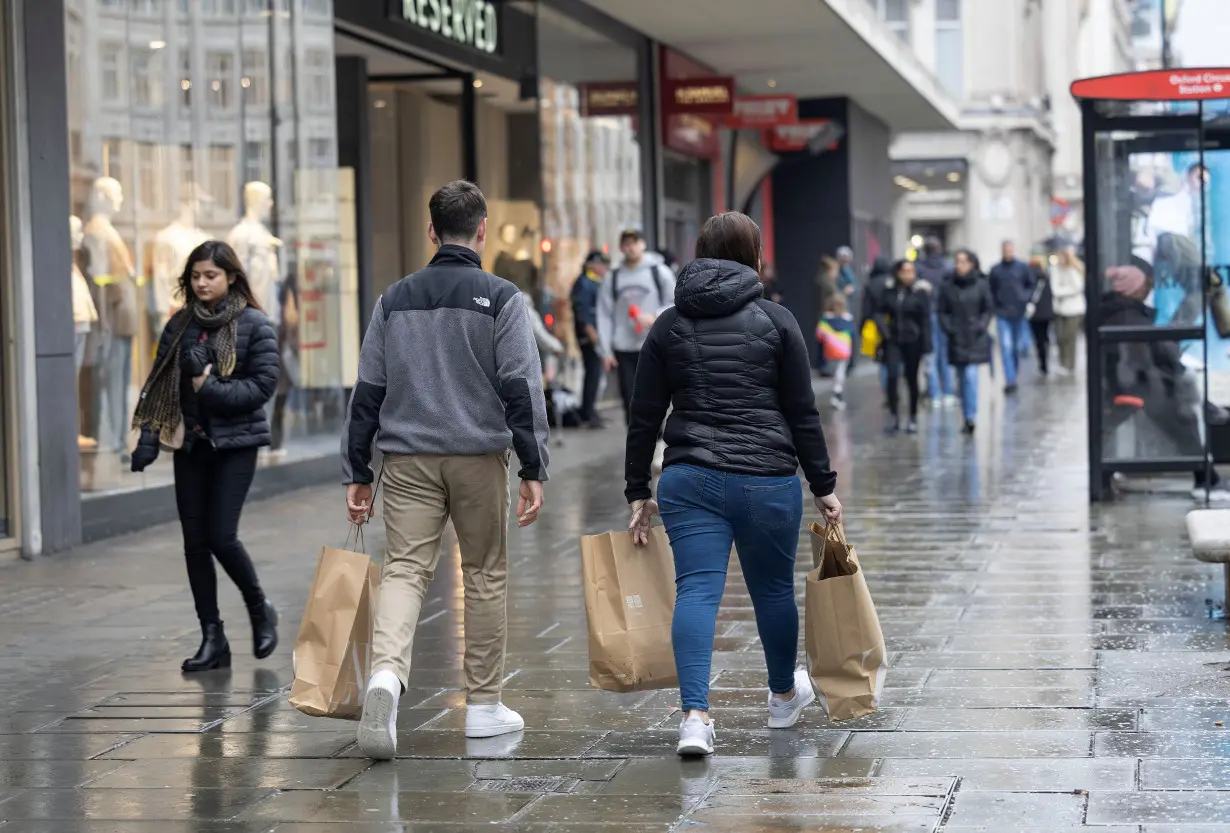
(492, 721)
(696, 737)
(785, 713)
(951, 400)
(378, 726)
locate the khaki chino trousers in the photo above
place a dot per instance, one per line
(421, 493)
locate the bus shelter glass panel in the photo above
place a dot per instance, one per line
(1152, 404)
(1154, 225)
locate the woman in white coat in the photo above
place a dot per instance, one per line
(1068, 289)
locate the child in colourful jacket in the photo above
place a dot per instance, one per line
(835, 336)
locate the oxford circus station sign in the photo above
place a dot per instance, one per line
(472, 23)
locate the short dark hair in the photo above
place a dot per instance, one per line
(456, 210)
(730, 236)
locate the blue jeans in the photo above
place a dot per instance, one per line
(1013, 333)
(705, 511)
(967, 377)
(939, 374)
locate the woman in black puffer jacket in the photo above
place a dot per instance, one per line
(216, 368)
(903, 317)
(737, 373)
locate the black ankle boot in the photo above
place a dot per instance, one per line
(215, 651)
(264, 629)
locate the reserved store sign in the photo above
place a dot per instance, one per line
(472, 23)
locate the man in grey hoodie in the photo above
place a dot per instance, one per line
(632, 298)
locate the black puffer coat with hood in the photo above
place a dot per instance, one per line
(737, 372)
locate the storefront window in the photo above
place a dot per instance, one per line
(591, 161)
(173, 126)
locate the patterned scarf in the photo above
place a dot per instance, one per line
(159, 406)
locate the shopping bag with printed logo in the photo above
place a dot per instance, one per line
(845, 647)
(332, 655)
(629, 602)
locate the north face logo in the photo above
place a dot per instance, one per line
(483, 302)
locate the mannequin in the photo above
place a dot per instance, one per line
(172, 246)
(256, 246)
(113, 275)
(85, 314)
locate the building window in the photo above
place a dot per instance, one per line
(148, 8)
(222, 177)
(187, 172)
(896, 16)
(185, 79)
(111, 64)
(113, 160)
(256, 162)
(950, 47)
(256, 6)
(219, 66)
(319, 78)
(255, 81)
(321, 8)
(149, 177)
(147, 77)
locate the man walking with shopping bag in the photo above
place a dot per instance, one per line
(449, 381)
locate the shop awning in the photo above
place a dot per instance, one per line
(812, 48)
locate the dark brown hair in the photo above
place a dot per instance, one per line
(224, 257)
(456, 211)
(730, 236)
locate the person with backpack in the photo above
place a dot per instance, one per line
(636, 293)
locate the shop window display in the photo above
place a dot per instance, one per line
(591, 163)
(174, 125)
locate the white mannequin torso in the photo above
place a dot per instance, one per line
(172, 246)
(258, 252)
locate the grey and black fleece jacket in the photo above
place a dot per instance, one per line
(448, 366)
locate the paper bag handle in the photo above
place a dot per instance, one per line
(356, 530)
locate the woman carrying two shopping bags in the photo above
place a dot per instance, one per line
(736, 373)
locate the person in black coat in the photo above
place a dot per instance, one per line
(215, 370)
(903, 317)
(964, 311)
(735, 373)
(1041, 310)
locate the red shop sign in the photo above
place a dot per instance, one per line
(761, 111)
(609, 98)
(699, 96)
(790, 138)
(1157, 85)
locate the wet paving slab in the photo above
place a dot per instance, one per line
(1052, 667)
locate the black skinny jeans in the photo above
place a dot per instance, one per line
(210, 489)
(593, 380)
(903, 357)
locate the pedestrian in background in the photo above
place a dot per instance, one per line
(632, 297)
(964, 309)
(1068, 289)
(737, 372)
(768, 279)
(215, 370)
(879, 279)
(934, 270)
(585, 291)
(904, 321)
(826, 280)
(1012, 287)
(847, 280)
(1040, 311)
(836, 338)
(449, 381)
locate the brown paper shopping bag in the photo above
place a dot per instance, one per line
(629, 602)
(845, 647)
(333, 650)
